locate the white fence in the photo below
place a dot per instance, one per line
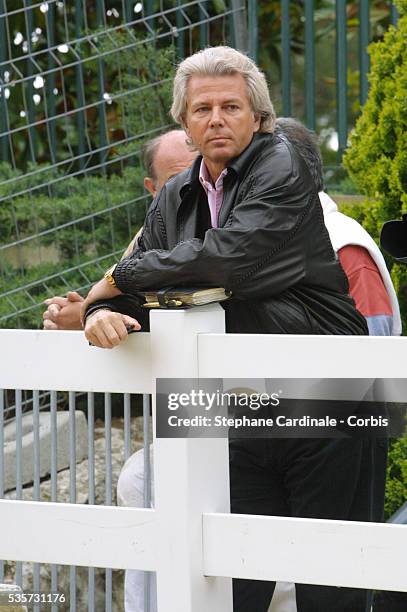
(190, 538)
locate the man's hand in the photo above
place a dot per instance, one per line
(101, 291)
(63, 312)
(107, 329)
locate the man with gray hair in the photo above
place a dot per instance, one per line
(369, 286)
(247, 217)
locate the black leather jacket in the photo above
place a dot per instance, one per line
(271, 249)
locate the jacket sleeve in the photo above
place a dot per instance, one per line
(125, 304)
(256, 254)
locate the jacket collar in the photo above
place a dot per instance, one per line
(243, 161)
(191, 176)
(237, 165)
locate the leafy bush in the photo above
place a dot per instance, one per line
(89, 216)
(23, 294)
(377, 164)
(396, 483)
(82, 220)
(377, 157)
(401, 5)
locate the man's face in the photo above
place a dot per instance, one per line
(219, 119)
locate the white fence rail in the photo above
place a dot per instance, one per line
(189, 538)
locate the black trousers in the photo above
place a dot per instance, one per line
(340, 479)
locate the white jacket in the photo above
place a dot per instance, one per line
(343, 231)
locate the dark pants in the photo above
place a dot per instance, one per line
(388, 601)
(340, 479)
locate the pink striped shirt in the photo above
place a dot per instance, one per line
(214, 192)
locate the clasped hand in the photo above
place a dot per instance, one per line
(63, 312)
(103, 328)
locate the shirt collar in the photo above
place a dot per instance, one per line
(236, 166)
(206, 180)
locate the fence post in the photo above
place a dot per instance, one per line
(394, 14)
(309, 64)
(364, 38)
(191, 476)
(341, 77)
(253, 30)
(286, 57)
(239, 25)
(4, 145)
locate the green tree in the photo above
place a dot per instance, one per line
(377, 157)
(396, 483)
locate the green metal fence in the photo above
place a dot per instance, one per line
(320, 56)
(83, 83)
(49, 50)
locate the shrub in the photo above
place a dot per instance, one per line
(86, 220)
(377, 164)
(377, 157)
(396, 483)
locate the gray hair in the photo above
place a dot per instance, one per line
(305, 143)
(222, 61)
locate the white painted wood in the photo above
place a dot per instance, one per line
(70, 534)
(191, 475)
(64, 361)
(271, 356)
(183, 539)
(310, 551)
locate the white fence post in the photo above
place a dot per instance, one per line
(191, 476)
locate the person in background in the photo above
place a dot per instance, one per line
(163, 157)
(370, 284)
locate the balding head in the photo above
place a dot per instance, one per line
(164, 157)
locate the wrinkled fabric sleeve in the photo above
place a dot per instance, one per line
(125, 304)
(367, 289)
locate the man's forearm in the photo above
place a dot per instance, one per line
(124, 304)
